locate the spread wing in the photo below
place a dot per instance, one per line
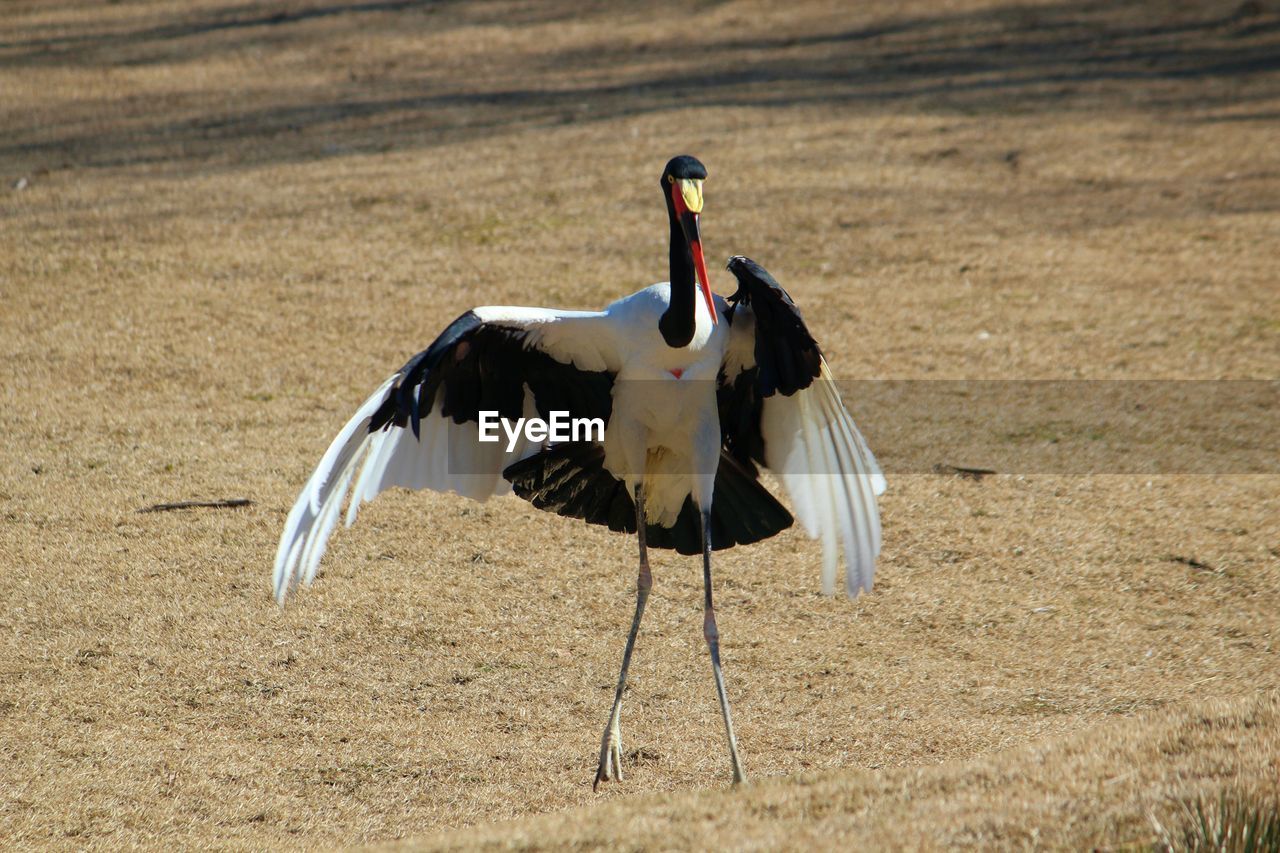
(779, 407)
(419, 430)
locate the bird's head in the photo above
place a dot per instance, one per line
(682, 185)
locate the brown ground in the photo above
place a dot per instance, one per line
(235, 220)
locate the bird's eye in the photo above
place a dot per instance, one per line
(671, 179)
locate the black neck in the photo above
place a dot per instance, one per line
(677, 323)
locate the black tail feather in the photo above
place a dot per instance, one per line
(571, 480)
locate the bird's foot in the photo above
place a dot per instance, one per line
(610, 769)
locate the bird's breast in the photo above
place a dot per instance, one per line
(648, 356)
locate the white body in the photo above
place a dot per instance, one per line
(665, 427)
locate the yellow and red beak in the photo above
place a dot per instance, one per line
(686, 195)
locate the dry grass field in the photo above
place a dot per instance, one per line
(225, 221)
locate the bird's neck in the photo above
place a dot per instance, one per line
(677, 323)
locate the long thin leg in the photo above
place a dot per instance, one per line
(712, 634)
(611, 748)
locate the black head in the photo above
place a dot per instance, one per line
(682, 185)
(684, 167)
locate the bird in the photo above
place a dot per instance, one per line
(697, 394)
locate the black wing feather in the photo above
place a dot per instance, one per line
(475, 366)
(570, 480)
(787, 357)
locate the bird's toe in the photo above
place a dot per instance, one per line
(610, 768)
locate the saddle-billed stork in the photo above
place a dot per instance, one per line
(696, 392)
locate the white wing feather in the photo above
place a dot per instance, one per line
(814, 447)
(447, 458)
(303, 541)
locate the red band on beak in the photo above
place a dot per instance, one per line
(700, 265)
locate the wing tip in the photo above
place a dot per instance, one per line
(857, 582)
(879, 485)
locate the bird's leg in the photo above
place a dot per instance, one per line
(611, 748)
(712, 634)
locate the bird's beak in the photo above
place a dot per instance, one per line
(687, 195)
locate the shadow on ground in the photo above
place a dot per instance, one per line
(1013, 58)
